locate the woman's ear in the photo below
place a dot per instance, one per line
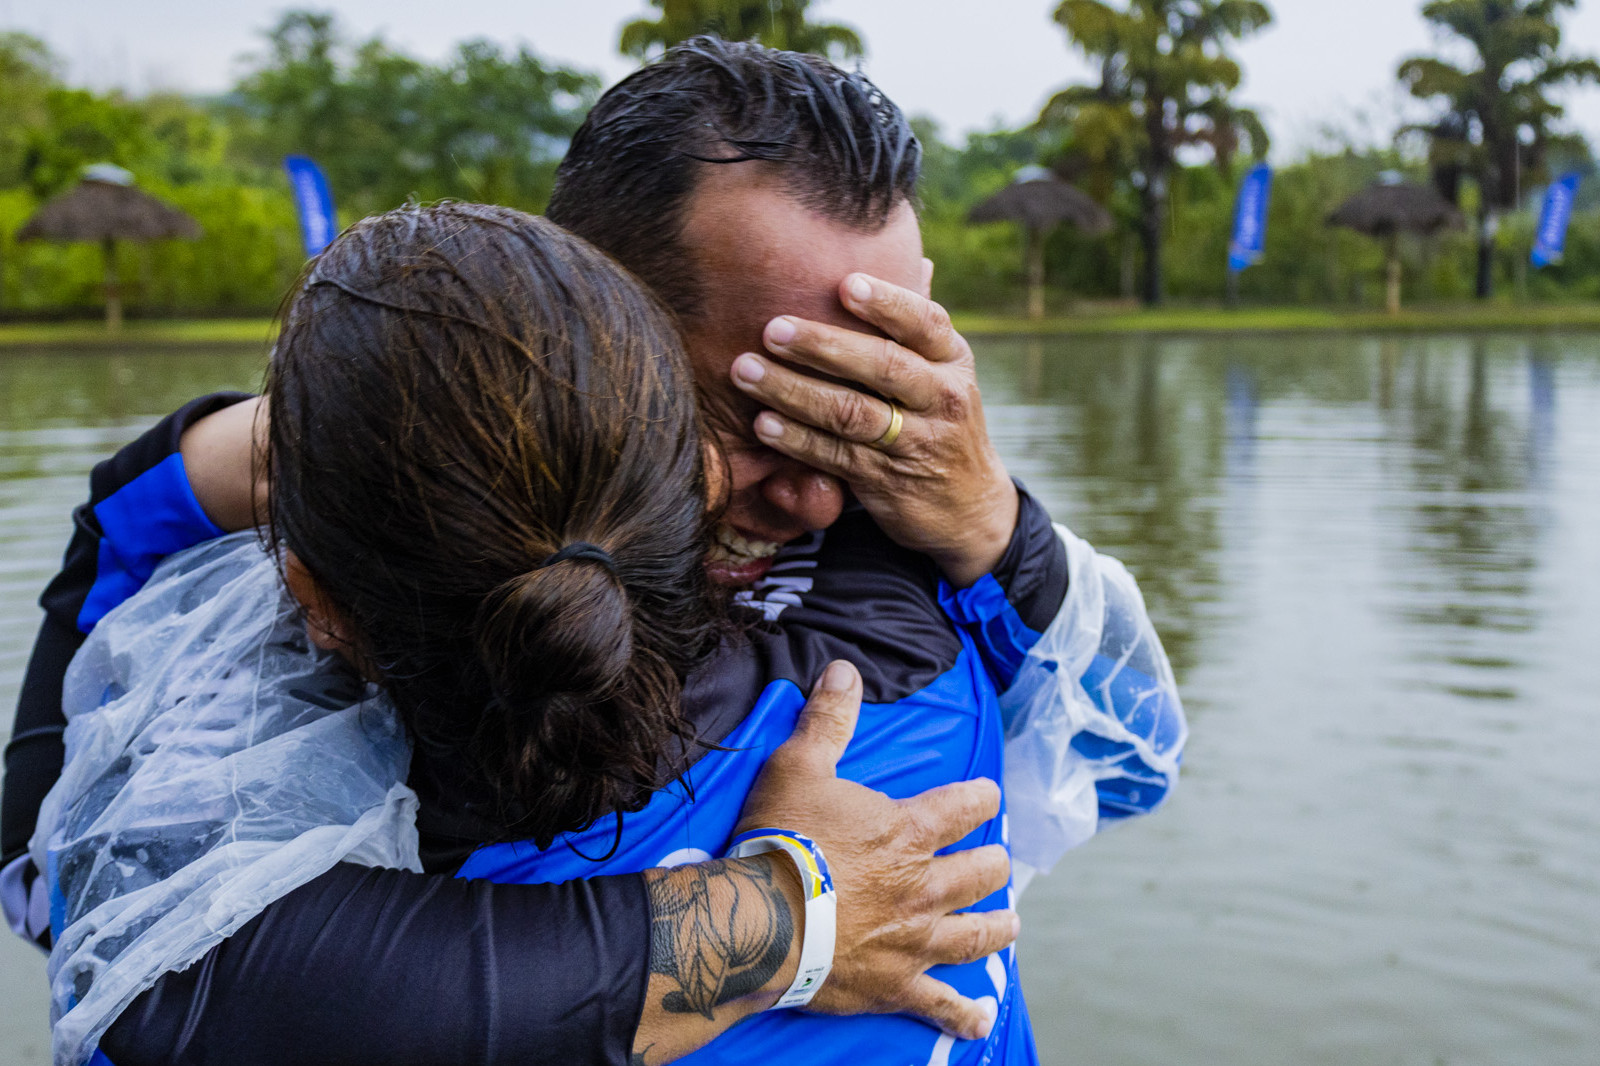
(326, 626)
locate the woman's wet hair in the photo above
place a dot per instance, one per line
(484, 449)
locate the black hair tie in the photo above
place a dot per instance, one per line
(582, 550)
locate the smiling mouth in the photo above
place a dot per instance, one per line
(736, 560)
(732, 549)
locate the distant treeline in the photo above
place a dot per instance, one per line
(491, 124)
(980, 268)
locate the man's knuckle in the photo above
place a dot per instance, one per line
(836, 454)
(851, 414)
(806, 440)
(896, 369)
(972, 944)
(887, 350)
(784, 387)
(953, 402)
(997, 931)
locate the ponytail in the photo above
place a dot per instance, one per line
(485, 450)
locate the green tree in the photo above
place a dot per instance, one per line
(498, 123)
(487, 125)
(1166, 84)
(81, 127)
(1495, 117)
(775, 23)
(293, 99)
(188, 144)
(27, 74)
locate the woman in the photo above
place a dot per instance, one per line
(490, 501)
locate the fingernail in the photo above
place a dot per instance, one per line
(769, 426)
(861, 288)
(836, 678)
(781, 330)
(748, 368)
(1016, 926)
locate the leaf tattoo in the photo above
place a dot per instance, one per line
(716, 958)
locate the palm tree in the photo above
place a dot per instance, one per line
(1495, 117)
(775, 23)
(1166, 81)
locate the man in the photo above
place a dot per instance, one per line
(767, 197)
(735, 211)
(731, 227)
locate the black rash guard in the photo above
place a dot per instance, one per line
(363, 965)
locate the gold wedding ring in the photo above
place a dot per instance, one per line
(896, 422)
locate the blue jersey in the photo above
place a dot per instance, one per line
(940, 723)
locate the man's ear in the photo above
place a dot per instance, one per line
(719, 479)
(326, 626)
(927, 279)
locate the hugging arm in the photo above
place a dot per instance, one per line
(363, 965)
(366, 965)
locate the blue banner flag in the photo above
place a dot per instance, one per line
(317, 222)
(1250, 219)
(1551, 242)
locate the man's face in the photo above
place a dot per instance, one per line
(760, 253)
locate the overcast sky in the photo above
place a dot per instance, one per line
(968, 63)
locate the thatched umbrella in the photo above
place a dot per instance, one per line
(1041, 201)
(1389, 208)
(106, 207)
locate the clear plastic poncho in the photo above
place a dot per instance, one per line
(1095, 699)
(215, 761)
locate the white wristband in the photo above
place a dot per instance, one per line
(816, 886)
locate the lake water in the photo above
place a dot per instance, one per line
(1376, 567)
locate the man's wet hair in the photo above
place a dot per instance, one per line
(845, 151)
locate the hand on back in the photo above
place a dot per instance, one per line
(895, 896)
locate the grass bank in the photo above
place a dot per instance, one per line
(1088, 321)
(1456, 319)
(158, 333)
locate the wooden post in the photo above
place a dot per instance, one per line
(1035, 241)
(1392, 295)
(113, 288)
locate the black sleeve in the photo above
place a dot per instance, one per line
(33, 757)
(384, 966)
(359, 965)
(1033, 570)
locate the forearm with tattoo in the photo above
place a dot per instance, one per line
(723, 946)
